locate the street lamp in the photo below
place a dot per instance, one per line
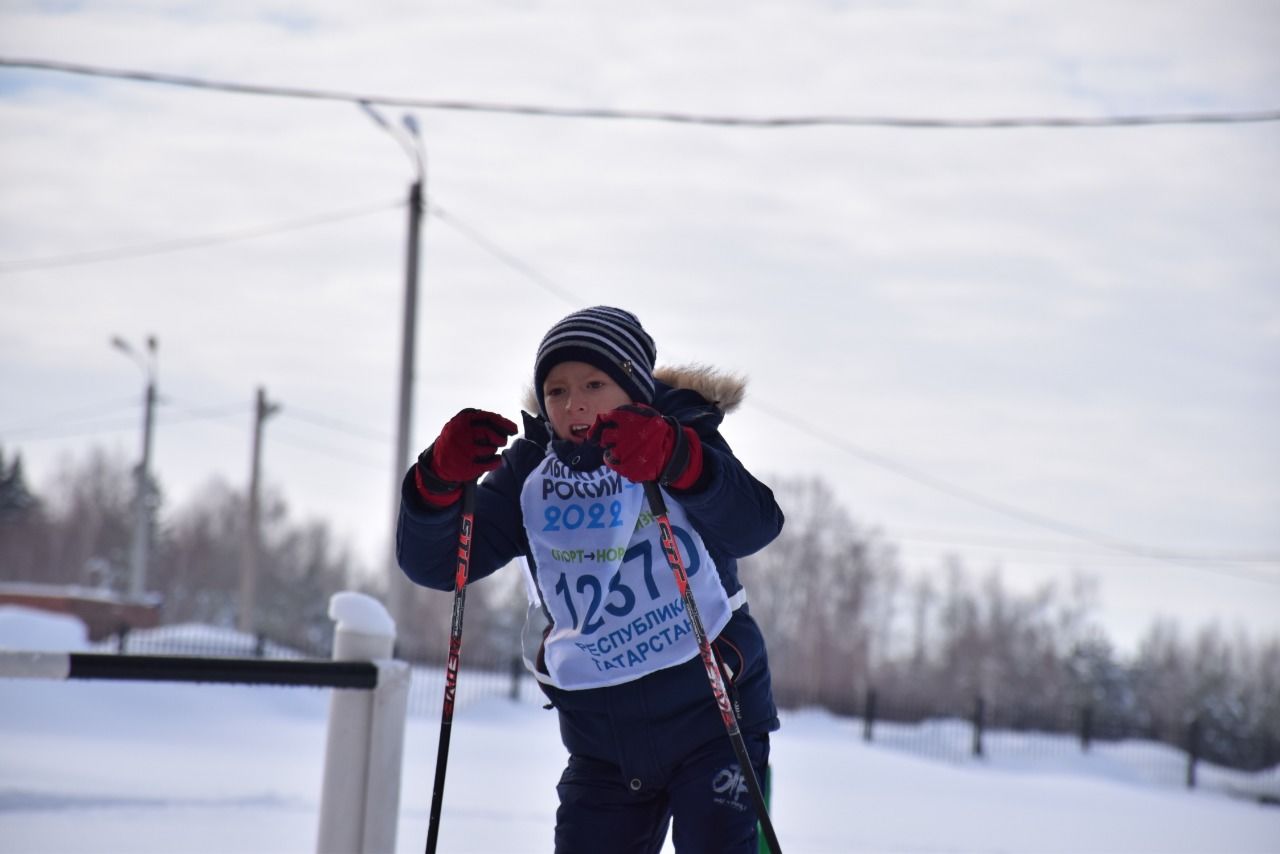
(410, 140)
(141, 546)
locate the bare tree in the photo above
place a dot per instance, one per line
(839, 614)
(88, 511)
(824, 594)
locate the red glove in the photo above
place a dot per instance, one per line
(466, 448)
(642, 445)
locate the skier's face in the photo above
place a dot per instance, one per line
(574, 393)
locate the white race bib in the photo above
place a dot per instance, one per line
(600, 573)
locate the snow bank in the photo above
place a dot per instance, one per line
(29, 629)
(196, 769)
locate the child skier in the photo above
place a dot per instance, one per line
(607, 636)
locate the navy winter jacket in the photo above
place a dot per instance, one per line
(644, 726)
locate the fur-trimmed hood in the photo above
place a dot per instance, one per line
(722, 389)
(725, 391)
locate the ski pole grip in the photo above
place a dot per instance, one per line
(466, 524)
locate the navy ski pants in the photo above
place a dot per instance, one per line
(704, 799)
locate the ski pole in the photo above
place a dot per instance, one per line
(658, 506)
(451, 668)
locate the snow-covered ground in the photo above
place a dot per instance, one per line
(152, 767)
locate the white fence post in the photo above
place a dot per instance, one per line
(360, 797)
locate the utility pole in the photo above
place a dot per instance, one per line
(250, 545)
(397, 585)
(140, 548)
(410, 140)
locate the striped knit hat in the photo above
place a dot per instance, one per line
(608, 338)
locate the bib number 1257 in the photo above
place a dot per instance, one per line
(620, 599)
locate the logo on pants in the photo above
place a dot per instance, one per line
(729, 786)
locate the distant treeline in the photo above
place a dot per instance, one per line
(841, 617)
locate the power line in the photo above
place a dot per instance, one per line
(284, 437)
(194, 242)
(1028, 517)
(330, 423)
(505, 257)
(71, 431)
(89, 422)
(1107, 544)
(328, 452)
(205, 413)
(1093, 565)
(1263, 572)
(995, 542)
(75, 415)
(118, 424)
(667, 116)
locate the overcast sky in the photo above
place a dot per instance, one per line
(983, 339)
